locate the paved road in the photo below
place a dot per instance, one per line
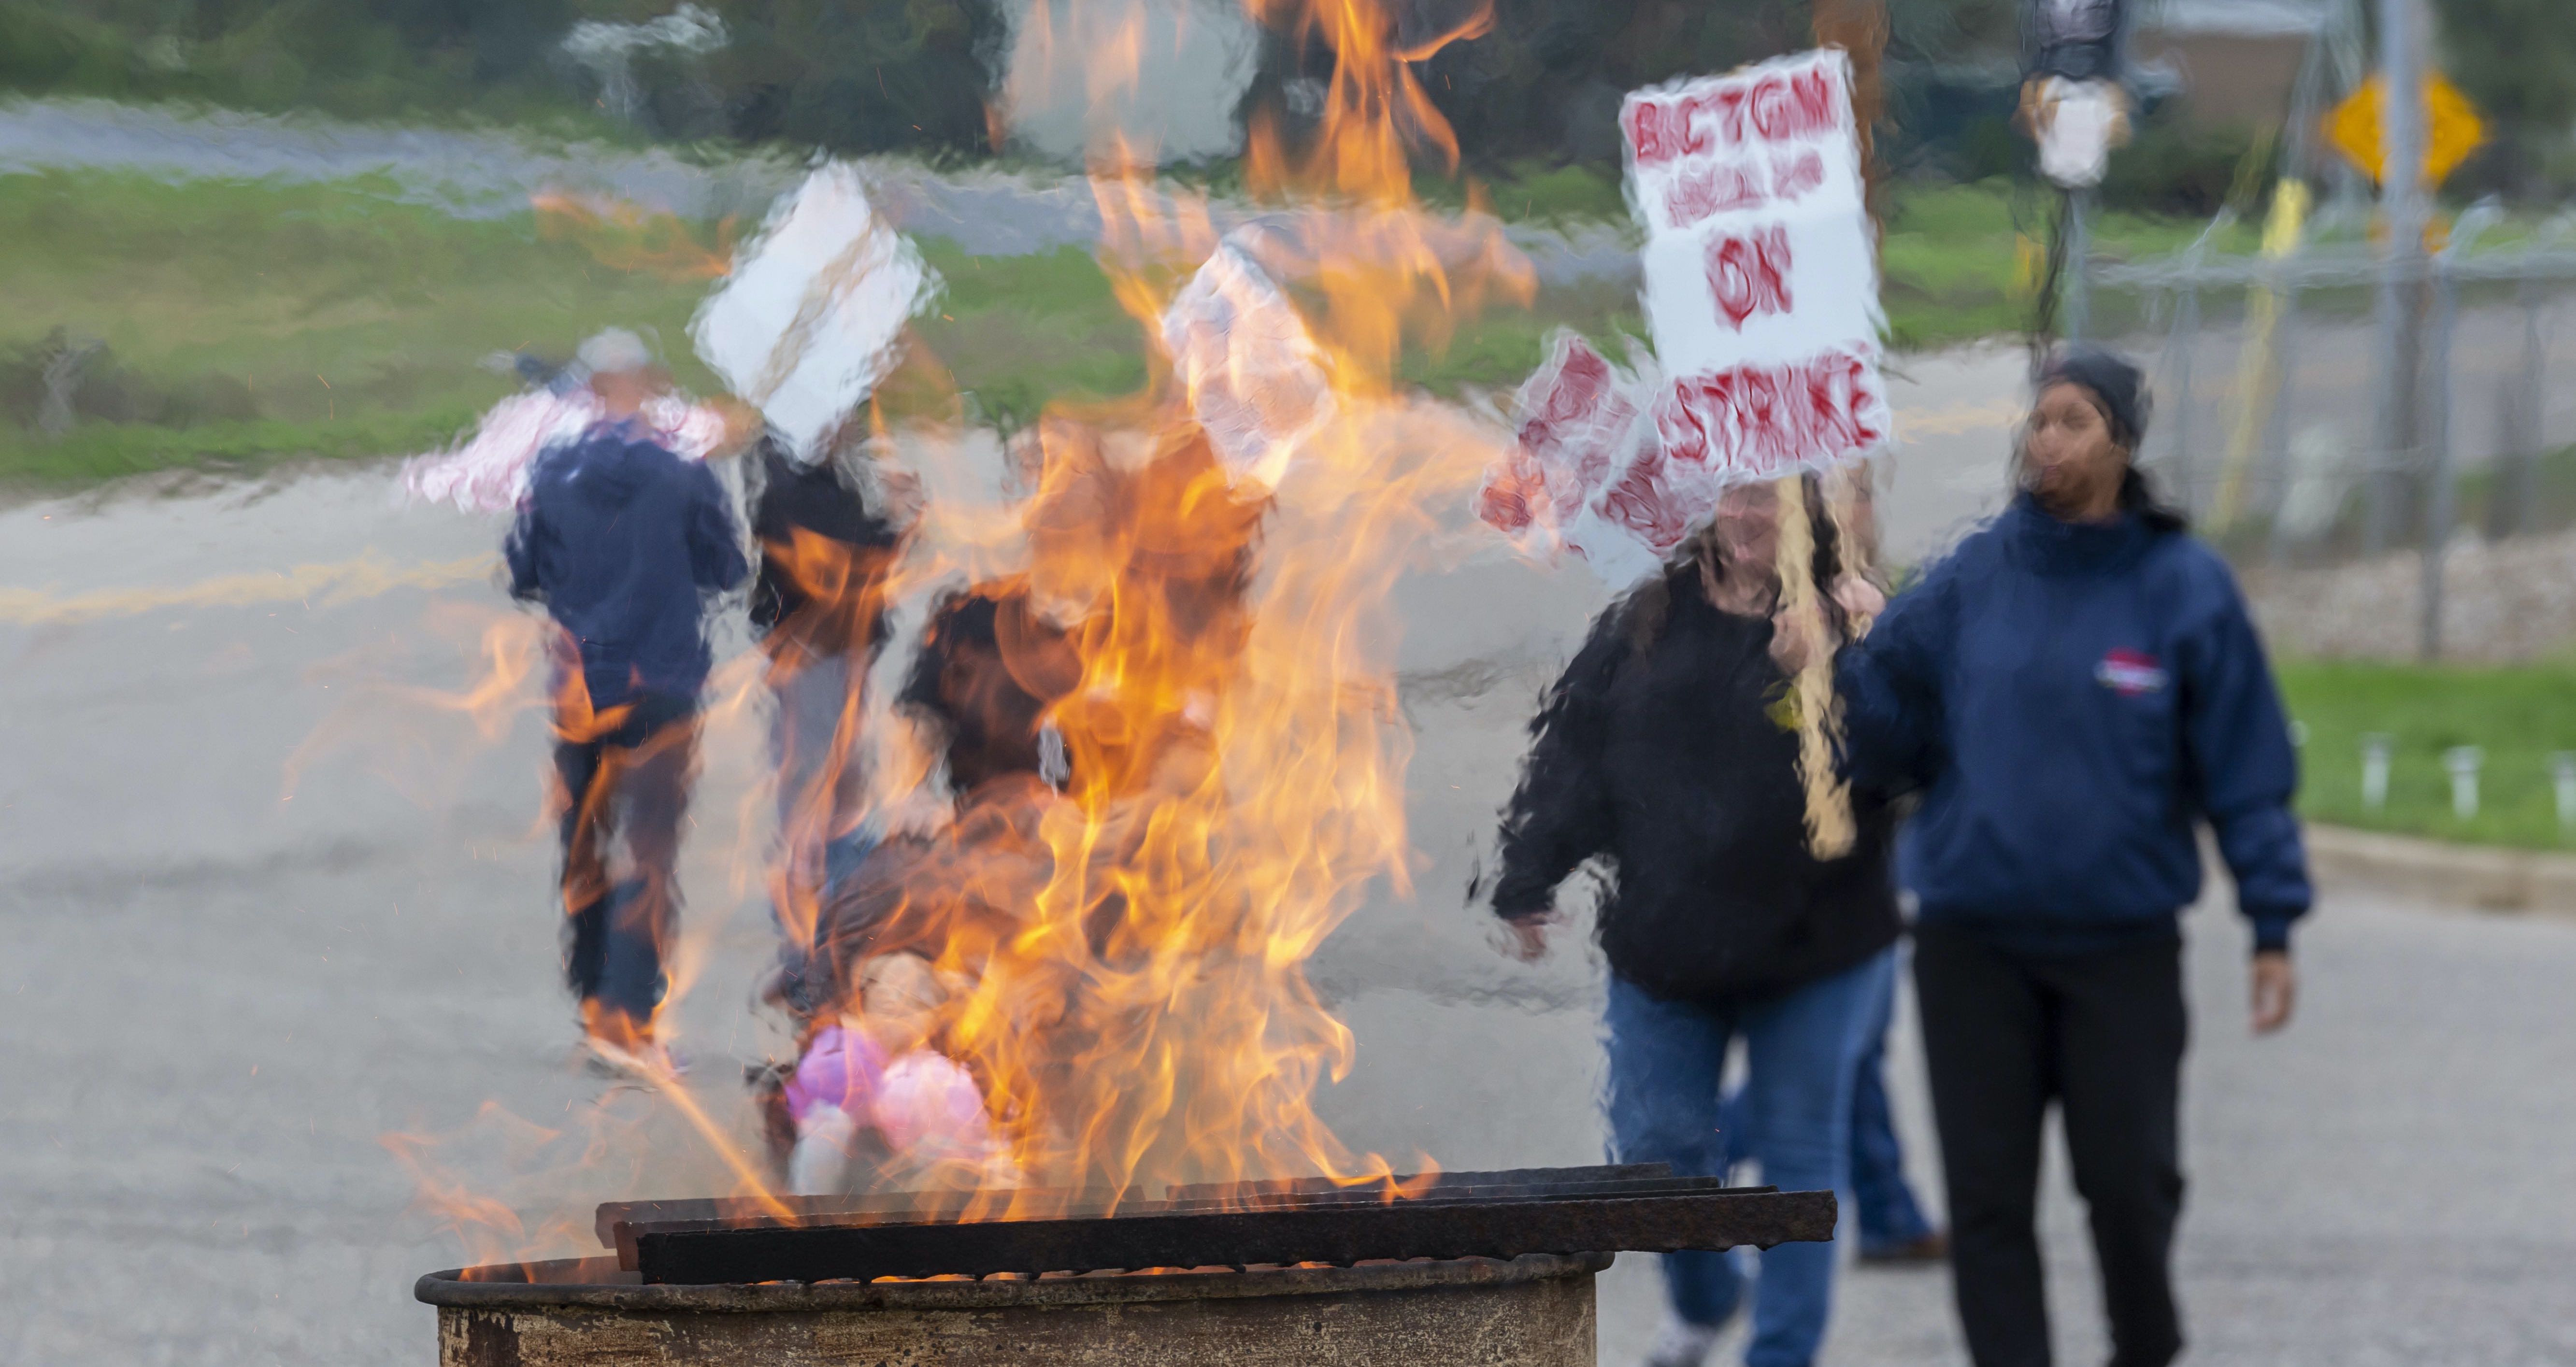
(481, 172)
(224, 1001)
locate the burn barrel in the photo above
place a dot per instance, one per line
(1535, 1310)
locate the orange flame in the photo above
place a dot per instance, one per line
(1117, 958)
(628, 237)
(1215, 654)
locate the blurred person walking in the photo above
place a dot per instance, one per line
(818, 602)
(1670, 746)
(624, 543)
(2074, 689)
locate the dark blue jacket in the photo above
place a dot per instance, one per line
(624, 542)
(2072, 700)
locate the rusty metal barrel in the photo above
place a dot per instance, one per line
(1531, 1311)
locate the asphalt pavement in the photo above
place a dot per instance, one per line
(284, 1028)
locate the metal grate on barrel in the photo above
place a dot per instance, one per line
(1502, 1215)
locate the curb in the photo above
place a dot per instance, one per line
(2482, 877)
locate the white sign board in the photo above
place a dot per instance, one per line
(813, 313)
(1573, 479)
(1761, 289)
(1761, 269)
(1255, 378)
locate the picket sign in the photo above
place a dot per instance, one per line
(1256, 380)
(812, 315)
(1761, 291)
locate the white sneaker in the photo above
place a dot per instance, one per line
(648, 1062)
(1680, 1343)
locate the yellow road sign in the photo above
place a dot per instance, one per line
(2452, 128)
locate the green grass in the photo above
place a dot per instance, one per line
(254, 322)
(2519, 715)
(339, 320)
(1950, 259)
(1018, 331)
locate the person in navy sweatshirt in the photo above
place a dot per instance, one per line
(624, 543)
(2074, 690)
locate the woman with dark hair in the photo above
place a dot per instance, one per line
(2075, 690)
(1670, 749)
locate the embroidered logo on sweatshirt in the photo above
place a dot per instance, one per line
(2130, 673)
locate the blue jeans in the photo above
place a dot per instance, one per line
(1805, 1047)
(813, 731)
(1889, 1215)
(629, 785)
(813, 734)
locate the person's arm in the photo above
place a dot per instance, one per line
(2244, 772)
(1560, 814)
(1890, 685)
(715, 544)
(524, 551)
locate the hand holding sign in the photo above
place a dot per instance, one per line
(1762, 291)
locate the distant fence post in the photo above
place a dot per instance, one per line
(2187, 340)
(2276, 435)
(2437, 516)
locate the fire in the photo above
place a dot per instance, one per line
(408, 733)
(1208, 632)
(627, 237)
(1197, 595)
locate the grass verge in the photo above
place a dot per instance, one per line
(252, 322)
(2519, 716)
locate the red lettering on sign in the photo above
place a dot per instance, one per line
(1649, 502)
(1762, 420)
(1815, 100)
(1783, 107)
(1575, 424)
(1768, 108)
(1505, 500)
(1701, 191)
(1750, 274)
(1575, 421)
(1773, 108)
(1646, 133)
(1792, 176)
(1730, 108)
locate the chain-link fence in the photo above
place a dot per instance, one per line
(2280, 426)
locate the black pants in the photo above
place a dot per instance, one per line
(630, 781)
(2102, 1035)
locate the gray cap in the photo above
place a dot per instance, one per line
(614, 351)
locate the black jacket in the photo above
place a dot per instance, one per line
(1680, 764)
(831, 596)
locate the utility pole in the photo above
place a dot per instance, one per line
(2443, 495)
(2075, 296)
(2401, 203)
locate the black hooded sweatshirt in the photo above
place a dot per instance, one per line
(1679, 762)
(847, 613)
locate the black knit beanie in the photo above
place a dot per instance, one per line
(2119, 387)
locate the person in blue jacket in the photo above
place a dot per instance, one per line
(624, 543)
(2074, 691)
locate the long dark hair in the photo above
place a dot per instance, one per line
(1648, 607)
(2138, 495)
